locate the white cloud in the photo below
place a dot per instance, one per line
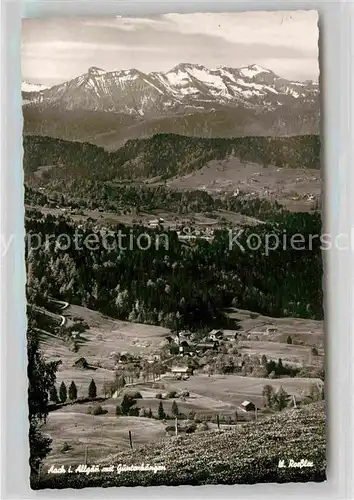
(285, 42)
(296, 29)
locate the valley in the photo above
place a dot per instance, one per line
(105, 346)
(199, 353)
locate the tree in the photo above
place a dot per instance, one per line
(160, 411)
(53, 394)
(174, 410)
(98, 410)
(127, 403)
(108, 387)
(149, 413)
(280, 367)
(120, 382)
(289, 340)
(268, 396)
(92, 390)
(72, 391)
(41, 377)
(191, 415)
(281, 399)
(316, 393)
(63, 395)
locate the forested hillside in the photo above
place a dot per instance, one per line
(178, 284)
(163, 155)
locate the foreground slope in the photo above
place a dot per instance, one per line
(249, 454)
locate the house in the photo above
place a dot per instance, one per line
(206, 346)
(155, 222)
(216, 335)
(124, 357)
(174, 338)
(185, 347)
(271, 329)
(231, 336)
(248, 406)
(153, 358)
(81, 363)
(180, 337)
(185, 334)
(182, 370)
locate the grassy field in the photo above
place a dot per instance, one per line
(231, 390)
(101, 434)
(172, 220)
(248, 454)
(97, 344)
(297, 355)
(253, 325)
(200, 403)
(283, 184)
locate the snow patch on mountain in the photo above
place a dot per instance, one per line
(228, 74)
(207, 77)
(178, 77)
(96, 71)
(32, 87)
(253, 70)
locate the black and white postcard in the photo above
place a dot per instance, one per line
(174, 249)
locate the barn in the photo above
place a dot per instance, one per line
(81, 363)
(182, 370)
(185, 347)
(216, 335)
(248, 406)
(207, 346)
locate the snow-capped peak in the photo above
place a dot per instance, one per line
(94, 71)
(186, 67)
(32, 87)
(186, 86)
(253, 70)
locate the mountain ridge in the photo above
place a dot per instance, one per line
(107, 108)
(186, 85)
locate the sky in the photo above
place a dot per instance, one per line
(59, 49)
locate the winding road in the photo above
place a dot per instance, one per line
(64, 305)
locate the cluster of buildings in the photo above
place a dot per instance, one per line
(189, 234)
(188, 346)
(154, 223)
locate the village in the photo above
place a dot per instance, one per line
(156, 382)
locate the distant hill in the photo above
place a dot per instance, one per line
(164, 155)
(111, 130)
(248, 454)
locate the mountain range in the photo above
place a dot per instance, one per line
(107, 108)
